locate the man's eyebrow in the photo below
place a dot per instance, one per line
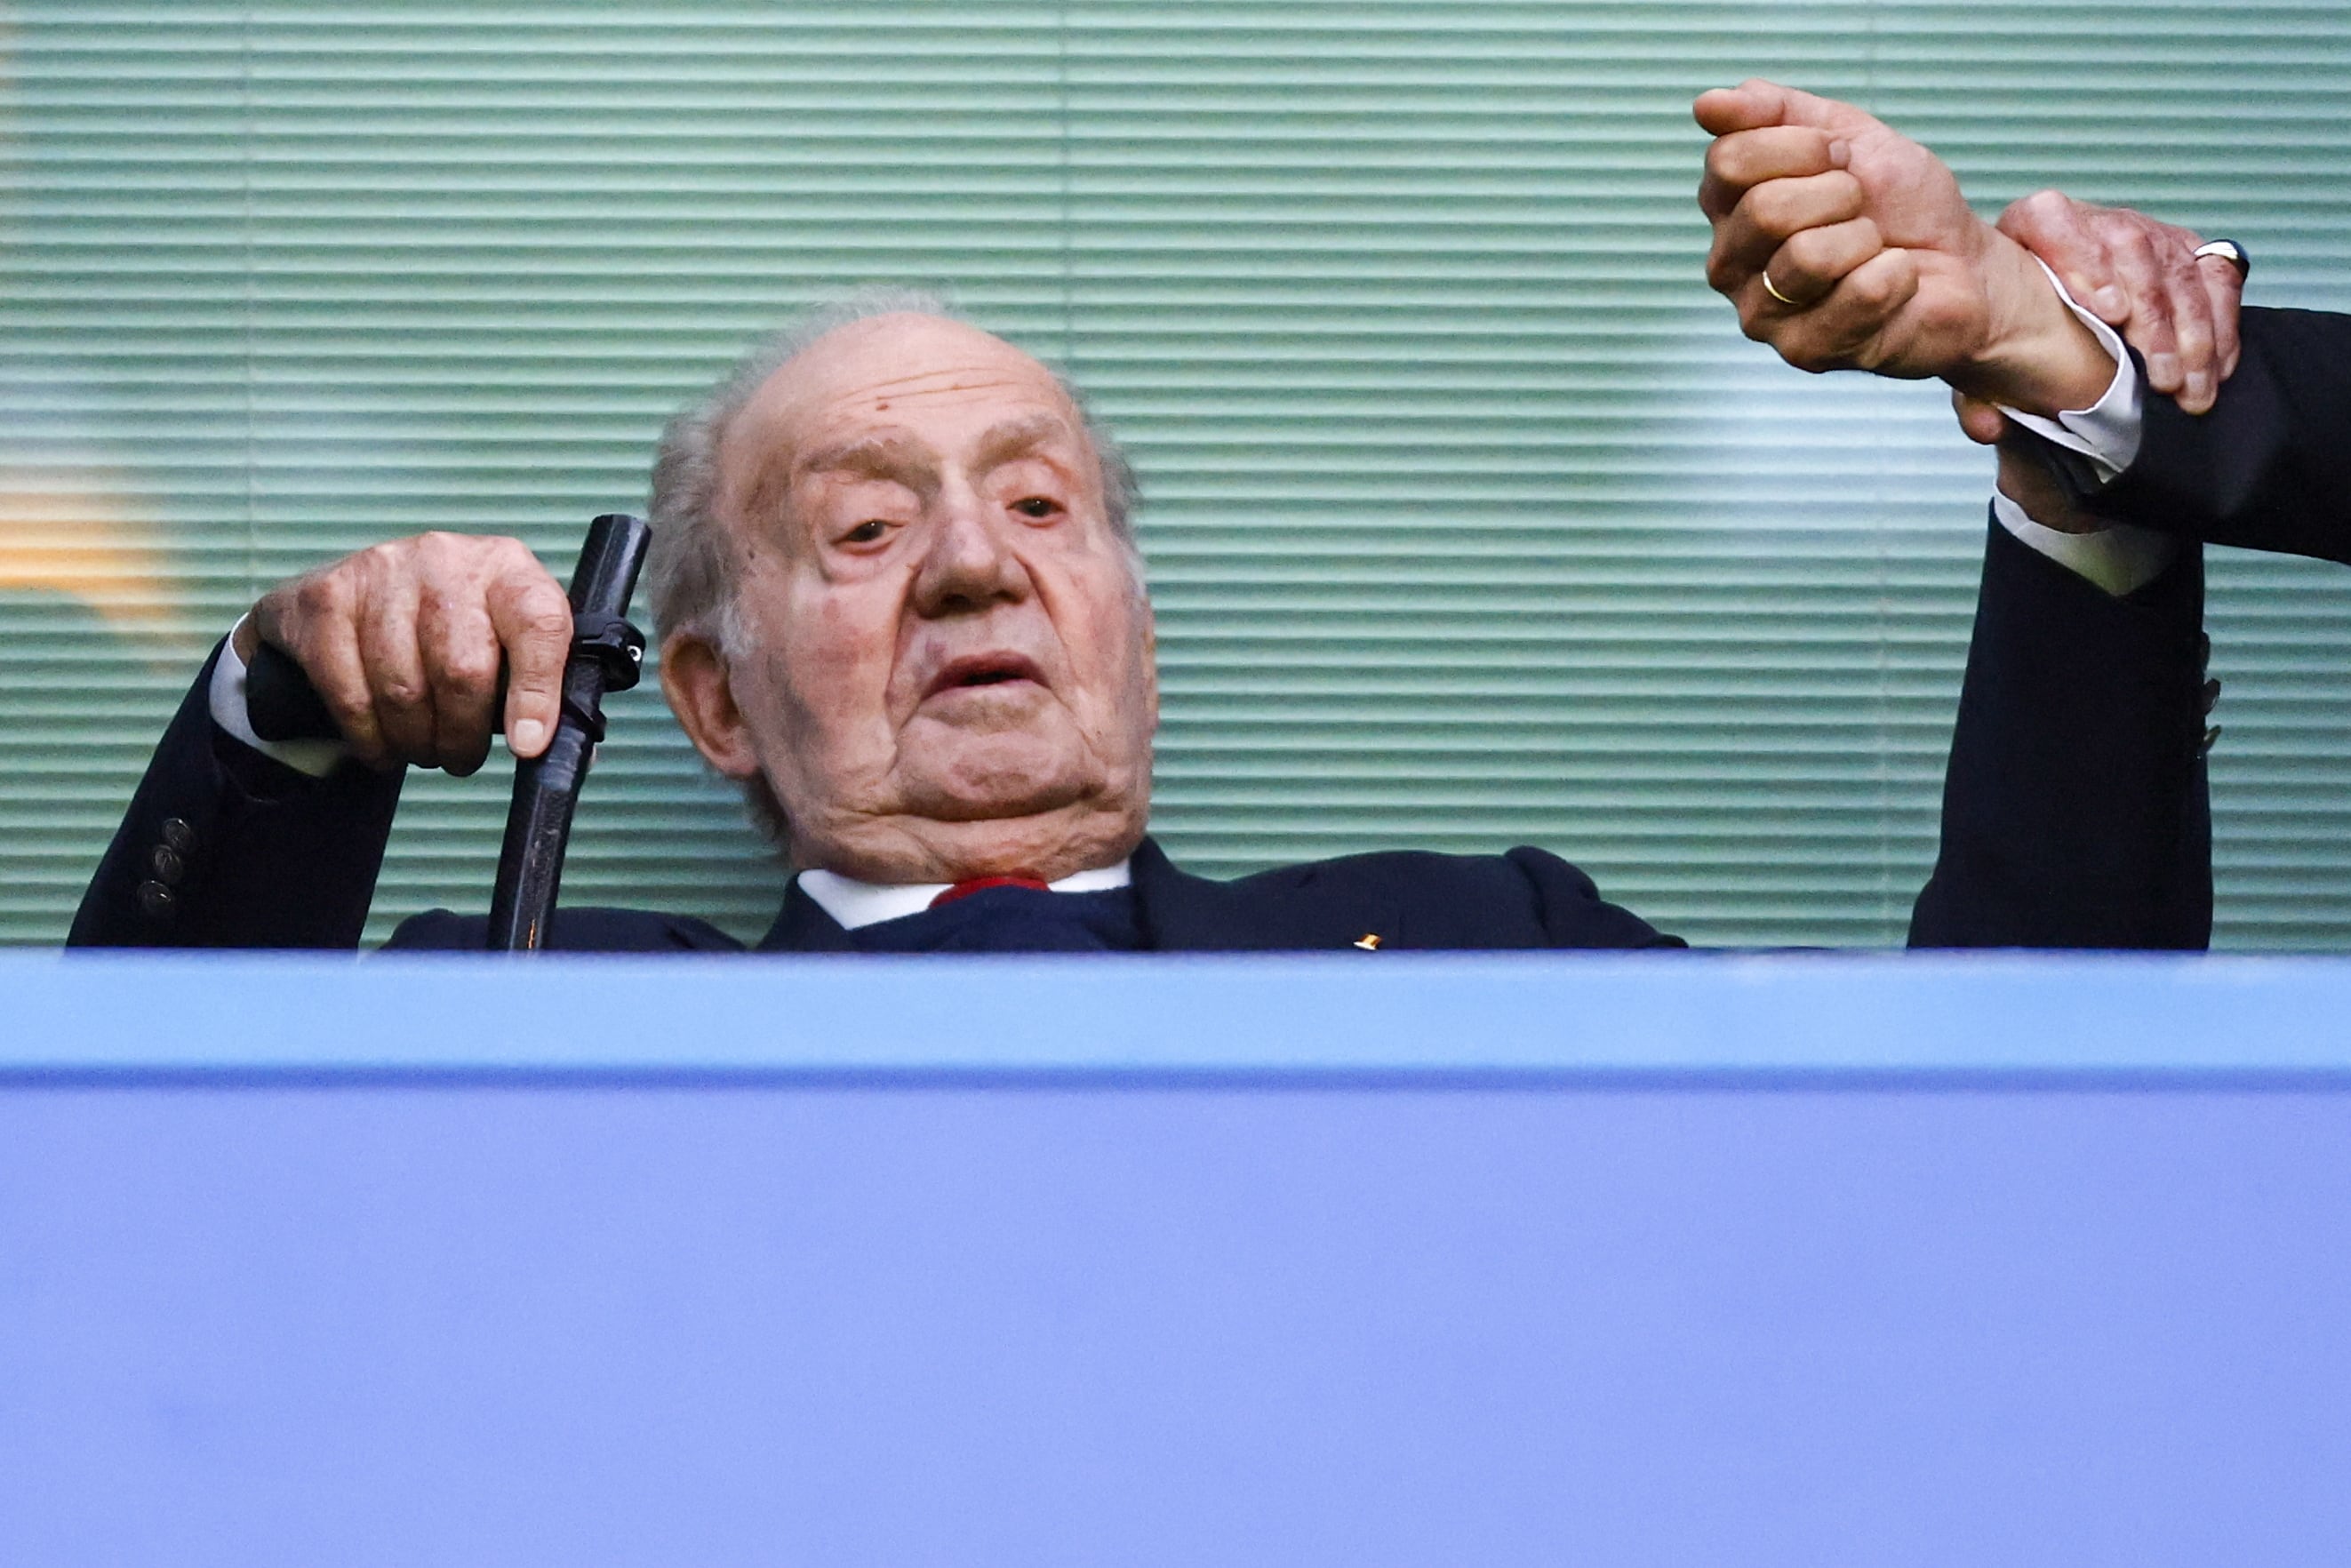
(1020, 438)
(881, 456)
(887, 454)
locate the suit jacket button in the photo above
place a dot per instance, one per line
(167, 867)
(179, 836)
(157, 902)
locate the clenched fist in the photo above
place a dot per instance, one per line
(403, 642)
(1846, 244)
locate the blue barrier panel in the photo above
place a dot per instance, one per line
(1670, 1260)
(1611, 1016)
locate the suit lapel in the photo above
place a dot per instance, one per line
(804, 926)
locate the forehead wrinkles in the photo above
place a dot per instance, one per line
(830, 405)
(943, 381)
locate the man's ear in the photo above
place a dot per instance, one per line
(701, 692)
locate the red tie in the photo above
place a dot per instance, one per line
(970, 885)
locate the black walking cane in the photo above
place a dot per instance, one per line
(607, 655)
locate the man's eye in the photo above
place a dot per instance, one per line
(1037, 507)
(865, 533)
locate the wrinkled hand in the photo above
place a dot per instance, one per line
(404, 641)
(1889, 268)
(2142, 278)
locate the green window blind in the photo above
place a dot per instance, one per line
(1472, 520)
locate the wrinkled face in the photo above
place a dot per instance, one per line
(944, 664)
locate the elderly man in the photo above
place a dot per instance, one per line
(900, 602)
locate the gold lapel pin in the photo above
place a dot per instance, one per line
(1369, 941)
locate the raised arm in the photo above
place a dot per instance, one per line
(2074, 809)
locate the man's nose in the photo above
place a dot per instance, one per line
(970, 564)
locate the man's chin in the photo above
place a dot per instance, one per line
(994, 776)
(943, 829)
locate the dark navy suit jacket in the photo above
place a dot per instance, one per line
(2074, 816)
(2270, 466)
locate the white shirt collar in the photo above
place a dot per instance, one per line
(854, 904)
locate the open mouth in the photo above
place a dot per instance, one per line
(978, 670)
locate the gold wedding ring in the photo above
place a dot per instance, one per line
(1776, 294)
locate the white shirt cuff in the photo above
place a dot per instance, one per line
(315, 757)
(2120, 559)
(2107, 431)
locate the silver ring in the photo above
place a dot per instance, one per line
(1792, 304)
(2228, 250)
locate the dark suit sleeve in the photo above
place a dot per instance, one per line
(2270, 466)
(1573, 914)
(223, 847)
(2075, 812)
